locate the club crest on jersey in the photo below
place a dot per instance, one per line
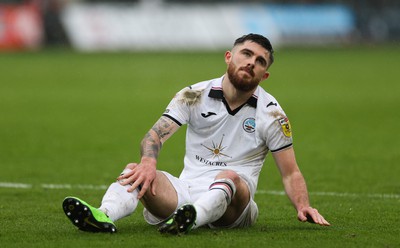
(285, 125)
(249, 125)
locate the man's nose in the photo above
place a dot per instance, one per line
(250, 64)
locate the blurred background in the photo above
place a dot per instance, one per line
(100, 25)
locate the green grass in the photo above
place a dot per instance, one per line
(70, 118)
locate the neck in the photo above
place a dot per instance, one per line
(235, 98)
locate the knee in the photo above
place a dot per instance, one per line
(231, 175)
(241, 192)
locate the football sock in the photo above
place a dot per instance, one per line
(212, 205)
(118, 202)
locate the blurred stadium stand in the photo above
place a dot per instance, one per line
(36, 24)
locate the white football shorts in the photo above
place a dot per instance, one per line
(189, 194)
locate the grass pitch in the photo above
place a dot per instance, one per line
(74, 120)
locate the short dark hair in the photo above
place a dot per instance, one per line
(259, 39)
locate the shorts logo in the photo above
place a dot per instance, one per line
(285, 125)
(249, 125)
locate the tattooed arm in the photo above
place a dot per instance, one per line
(144, 173)
(157, 135)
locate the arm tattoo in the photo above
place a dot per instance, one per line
(163, 128)
(159, 133)
(149, 146)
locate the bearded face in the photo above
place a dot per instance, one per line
(242, 78)
(247, 66)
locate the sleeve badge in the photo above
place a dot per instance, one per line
(285, 125)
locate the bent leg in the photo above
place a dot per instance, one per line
(225, 201)
(165, 201)
(117, 202)
(239, 201)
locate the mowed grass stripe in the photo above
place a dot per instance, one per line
(261, 192)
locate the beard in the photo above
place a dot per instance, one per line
(241, 83)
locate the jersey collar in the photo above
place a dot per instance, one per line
(216, 92)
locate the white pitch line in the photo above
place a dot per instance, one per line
(336, 194)
(70, 186)
(15, 185)
(260, 192)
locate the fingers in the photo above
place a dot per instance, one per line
(321, 221)
(138, 177)
(136, 184)
(126, 173)
(301, 217)
(142, 186)
(131, 166)
(124, 178)
(313, 216)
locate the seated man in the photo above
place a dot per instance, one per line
(232, 124)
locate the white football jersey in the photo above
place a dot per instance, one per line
(218, 138)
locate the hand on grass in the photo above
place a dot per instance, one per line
(311, 215)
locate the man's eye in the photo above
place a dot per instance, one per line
(261, 62)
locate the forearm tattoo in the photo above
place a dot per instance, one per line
(163, 128)
(149, 146)
(159, 133)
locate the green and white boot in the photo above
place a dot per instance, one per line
(86, 217)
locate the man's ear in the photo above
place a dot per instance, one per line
(228, 57)
(266, 75)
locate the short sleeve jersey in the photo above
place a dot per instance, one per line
(219, 138)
